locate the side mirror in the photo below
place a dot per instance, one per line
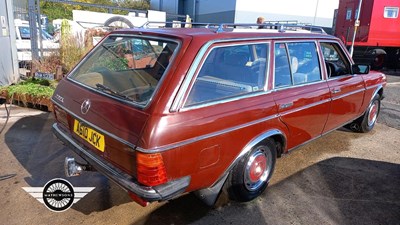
(360, 68)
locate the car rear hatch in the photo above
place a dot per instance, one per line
(102, 103)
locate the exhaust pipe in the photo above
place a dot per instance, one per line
(73, 168)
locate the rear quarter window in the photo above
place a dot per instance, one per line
(230, 71)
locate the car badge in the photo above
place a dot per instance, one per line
(85, 106)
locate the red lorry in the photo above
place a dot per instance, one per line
(377, 40)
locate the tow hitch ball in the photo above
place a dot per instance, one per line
(73, 168)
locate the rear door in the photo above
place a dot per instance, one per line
(301, 94)
(347, 90)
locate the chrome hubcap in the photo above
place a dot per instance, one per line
(373, 113)
(258, 168)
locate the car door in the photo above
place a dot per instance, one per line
(301, 93)
(347, 90)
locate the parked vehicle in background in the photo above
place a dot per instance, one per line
(23, 41)
(205, 109)
(378, 37)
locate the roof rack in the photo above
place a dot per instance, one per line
(281, 26)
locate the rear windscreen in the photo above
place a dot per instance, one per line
(126, 67)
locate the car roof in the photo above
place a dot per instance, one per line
(225, 33)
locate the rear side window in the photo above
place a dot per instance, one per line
(230, 71)
(296, 63)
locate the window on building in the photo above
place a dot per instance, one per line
(391, 12)
(348, 14)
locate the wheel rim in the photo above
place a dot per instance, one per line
(258, 168)
(373, 113)
(379, 60)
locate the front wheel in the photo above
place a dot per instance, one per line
(251, 175)
(367, 121)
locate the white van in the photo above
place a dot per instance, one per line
(23, 41)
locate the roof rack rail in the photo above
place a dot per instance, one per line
(281, 26)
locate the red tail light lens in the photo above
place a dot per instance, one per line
(150, 169)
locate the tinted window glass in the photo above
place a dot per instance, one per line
(126, 67)
(296, 63)
(230, 71)
(335, 60)
(304, 62)
(282, 66)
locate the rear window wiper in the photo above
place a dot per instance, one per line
(108, 90)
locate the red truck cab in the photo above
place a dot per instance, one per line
(377, 40)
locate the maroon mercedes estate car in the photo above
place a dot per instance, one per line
(168, 111)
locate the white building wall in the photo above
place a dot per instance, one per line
(303, 11)
(317, 12)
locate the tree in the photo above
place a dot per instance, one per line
(64, 11)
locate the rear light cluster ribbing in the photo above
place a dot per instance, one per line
(60, 115)
(150, 169)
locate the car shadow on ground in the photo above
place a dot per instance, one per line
(334, 191)
(31, 141)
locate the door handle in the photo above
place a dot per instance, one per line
(285, 105)
(336, 90)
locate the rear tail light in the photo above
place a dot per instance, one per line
(60, 115)
(150, 169)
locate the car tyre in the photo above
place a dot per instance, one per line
(366, 122)
(251, 175)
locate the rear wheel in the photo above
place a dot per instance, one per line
(378, 62)
(251, 175)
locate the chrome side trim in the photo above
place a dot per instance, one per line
(306, 107)
(321, 135)
(229, 99)
(157, 193)
(211, 193)
(174, 145)
(210, 135)
(347, 94)
(258, 139)
(378, 88)
(134, 147)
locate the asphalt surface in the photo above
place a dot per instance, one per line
(341, 178)
(390, 108)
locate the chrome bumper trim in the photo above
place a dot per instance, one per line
(157, 193)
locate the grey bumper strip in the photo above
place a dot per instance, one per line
(157, 193)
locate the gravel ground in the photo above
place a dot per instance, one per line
(341, 178)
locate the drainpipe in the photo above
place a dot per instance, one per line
(356, 25)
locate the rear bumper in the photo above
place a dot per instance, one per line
(157, 193)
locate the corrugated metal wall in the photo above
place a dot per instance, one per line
(20, 9)
(8, 56)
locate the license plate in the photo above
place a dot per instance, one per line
(88, 134)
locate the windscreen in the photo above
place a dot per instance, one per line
(126, 67)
